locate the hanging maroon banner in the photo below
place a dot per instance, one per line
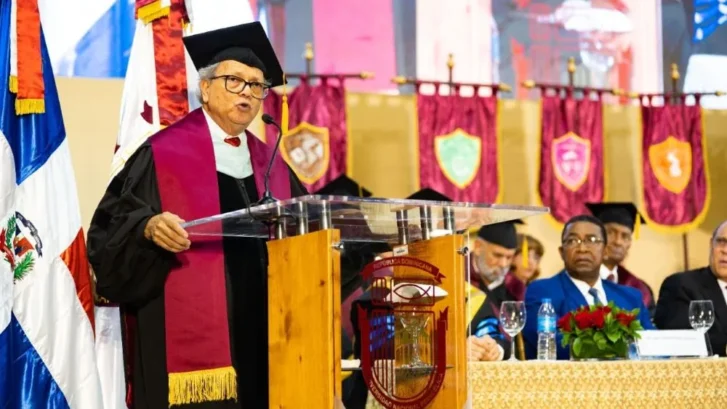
(675, 180)
(458, 147)
(315, 145)
(571, 155)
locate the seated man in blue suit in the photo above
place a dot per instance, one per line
(583, 241)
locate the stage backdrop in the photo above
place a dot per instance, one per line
(675, 178)
(315, 145)
(458, 146)
(383, 139)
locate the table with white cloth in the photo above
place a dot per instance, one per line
(675, 383)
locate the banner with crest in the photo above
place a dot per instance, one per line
(571, 171)
(315, 146)
(674, 170)
(458, 146)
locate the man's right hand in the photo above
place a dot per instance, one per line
(166, 231)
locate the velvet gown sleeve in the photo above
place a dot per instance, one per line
(129, 268)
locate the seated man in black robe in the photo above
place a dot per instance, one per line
(195, 308)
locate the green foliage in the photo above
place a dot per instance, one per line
(24, 267)
(599, 332)
(10, 233)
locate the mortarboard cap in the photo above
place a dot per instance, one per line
(244, 43)
(344, 186)
(623, 213)
(429, 194)
(503, 234)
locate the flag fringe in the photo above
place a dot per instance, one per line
(152, 11)
(29, 106)
(13, 84)
(201, 386)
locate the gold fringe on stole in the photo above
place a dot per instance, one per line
(152, 11)
(202, 386)
(13, 84)
(29, 106)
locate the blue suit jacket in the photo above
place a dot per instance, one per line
(566, 297)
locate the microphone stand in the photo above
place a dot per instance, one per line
(267, 196)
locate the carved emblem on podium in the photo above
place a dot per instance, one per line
(403, 337)
(306, 149)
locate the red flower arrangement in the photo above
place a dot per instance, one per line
(599, 332)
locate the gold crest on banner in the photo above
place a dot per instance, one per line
(671, 162)
(306, 149)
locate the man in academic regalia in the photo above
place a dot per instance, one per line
(492, 256)
(198, 304)
(620, 220)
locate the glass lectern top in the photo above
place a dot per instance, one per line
(358, 219)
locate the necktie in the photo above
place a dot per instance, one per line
(611, 278)
(233, 140)
(594, 293)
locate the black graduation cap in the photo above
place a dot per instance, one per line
(344, 186)
(244, 43)
(503, 234)
(429, 194)
(623, 213)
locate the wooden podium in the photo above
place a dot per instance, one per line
(305, 236)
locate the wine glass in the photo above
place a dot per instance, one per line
(413, 324)
(701, 318)
(512, 319)
(701, 315)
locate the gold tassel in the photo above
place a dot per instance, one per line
(525, 252)
(284, 113)
(29, 106)
(13, 83)
(637, 226)
(202, 386)
(151, 12)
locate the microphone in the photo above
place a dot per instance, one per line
(267, 195)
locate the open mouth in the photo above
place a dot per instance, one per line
(244, 106)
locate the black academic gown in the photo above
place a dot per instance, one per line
(130, 270)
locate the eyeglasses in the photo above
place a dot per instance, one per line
(590, 242)
(236, 85)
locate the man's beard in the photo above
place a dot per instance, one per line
(491, 274)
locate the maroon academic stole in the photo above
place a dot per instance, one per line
(199, 360)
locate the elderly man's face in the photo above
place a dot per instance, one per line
(718, 256)
(582, 250)
(233, 112)
(492, 260)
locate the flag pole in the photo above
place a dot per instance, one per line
(310, 74)
(673, 99)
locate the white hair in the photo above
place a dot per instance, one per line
(205, 74)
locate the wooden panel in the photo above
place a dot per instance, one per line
(443, 253)
(304, 323)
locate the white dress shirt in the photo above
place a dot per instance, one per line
(723, 287)
(605, 272)
(583, 287)
(231, 160)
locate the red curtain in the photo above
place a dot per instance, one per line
(571, 155)
(674, 170)
(315, 146)
(458, 147)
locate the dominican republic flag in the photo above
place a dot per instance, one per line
(47, 357)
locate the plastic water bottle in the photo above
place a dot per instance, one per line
(546, 331)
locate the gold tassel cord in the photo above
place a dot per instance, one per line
(202, 386)
(284, 114)
(525, 252)
(13, 84)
